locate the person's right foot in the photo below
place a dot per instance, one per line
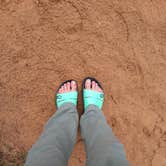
(92, 93)
(92, 85)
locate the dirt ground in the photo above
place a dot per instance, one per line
(122, 43)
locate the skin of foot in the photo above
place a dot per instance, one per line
(71, 86)
(93, 94)
(68, 87)
(92, 85)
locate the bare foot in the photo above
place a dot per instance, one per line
(92, 85)
(68, 87)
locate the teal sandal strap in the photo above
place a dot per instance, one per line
(68, 97)
(93, 97)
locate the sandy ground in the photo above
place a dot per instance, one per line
(122, 43)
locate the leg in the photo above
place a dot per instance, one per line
(56, 143)
(102, 147)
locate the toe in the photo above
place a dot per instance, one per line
(68, 86)
(59, 91)
(93, 85)
(88, 84)
(62, 89)
(65, 87)
(73, 86)
(96, 86)
(99, 89)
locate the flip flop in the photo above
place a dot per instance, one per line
(67, 97)
(91, 96)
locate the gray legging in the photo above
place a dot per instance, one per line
(59, 136)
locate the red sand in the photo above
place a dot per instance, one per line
(122, 43)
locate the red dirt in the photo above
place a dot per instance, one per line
(122, 43)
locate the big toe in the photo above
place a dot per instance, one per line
(73, 86)
(88, 84)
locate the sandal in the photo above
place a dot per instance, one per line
(91, 96)
(67, 97)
